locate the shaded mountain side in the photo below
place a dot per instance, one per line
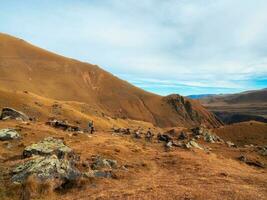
(232, 108)
(24, 67)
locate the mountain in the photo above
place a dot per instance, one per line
(232, 108)
(84, 90)
(199, 96)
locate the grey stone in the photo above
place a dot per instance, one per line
(44, 168)
(103, 163)
(8, 134)
(230, 144)
(193, 144)
(10, 113)
(49, 146)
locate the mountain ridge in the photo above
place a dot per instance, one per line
(24, 67)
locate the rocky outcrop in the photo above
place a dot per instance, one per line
(10, 113)
(8, 134)
(50, 159)
(47, 147)
(44, 168)
(183, 106)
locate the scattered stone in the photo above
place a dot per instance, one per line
(263, 151)
(231, 144)
(63, 125)
(177, 144)
(212, 138)
(103, 163)
(10, 113)
(193, 144)
(49, 146)
(251, 162)
(197, 131)
(182, 136)
(44, 168)
(8, 134)
(168, 145)
(164, 138)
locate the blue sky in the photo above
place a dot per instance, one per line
(170, 46)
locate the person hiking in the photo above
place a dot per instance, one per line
(91, 127)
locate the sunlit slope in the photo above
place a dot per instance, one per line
(24, 67)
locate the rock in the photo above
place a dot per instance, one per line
(10, 113)
(197, 131)
(251, 162)
(182, 136)
(98, 174)
(168, 145)
(102, 174)
(193, 144)
(43, 168)
(263, 151)
(103, 163)
(8, 134)
(164, 137)
(49, 146)
(230, 144)
(212, 138)
(177, 144)
(63, 125)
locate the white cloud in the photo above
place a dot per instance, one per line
(202, 43)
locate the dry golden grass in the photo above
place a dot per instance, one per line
(153, 173)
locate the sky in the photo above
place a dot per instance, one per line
(163, 46)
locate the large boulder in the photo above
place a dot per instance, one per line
(44, 168)
(8, 134)
(10, 113)
(49, 146)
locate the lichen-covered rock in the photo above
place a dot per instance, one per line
(10, 113)
(8, 134)
(44, 168)
(212, 138)
(103, 163)
(49, 146)
(193, 144)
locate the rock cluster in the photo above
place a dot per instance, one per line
(51, 159)
(49, 146)
(47, 160)
(63, 125)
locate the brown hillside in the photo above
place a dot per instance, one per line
(244, 133)
(24, 67)
(240, 107)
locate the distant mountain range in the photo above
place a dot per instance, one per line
(232, 108)
(200, 96)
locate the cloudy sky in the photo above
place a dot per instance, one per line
(164, 46)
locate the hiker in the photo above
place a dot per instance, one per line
(91, 127)
(149, 135)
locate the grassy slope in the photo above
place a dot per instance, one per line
(26, 67)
